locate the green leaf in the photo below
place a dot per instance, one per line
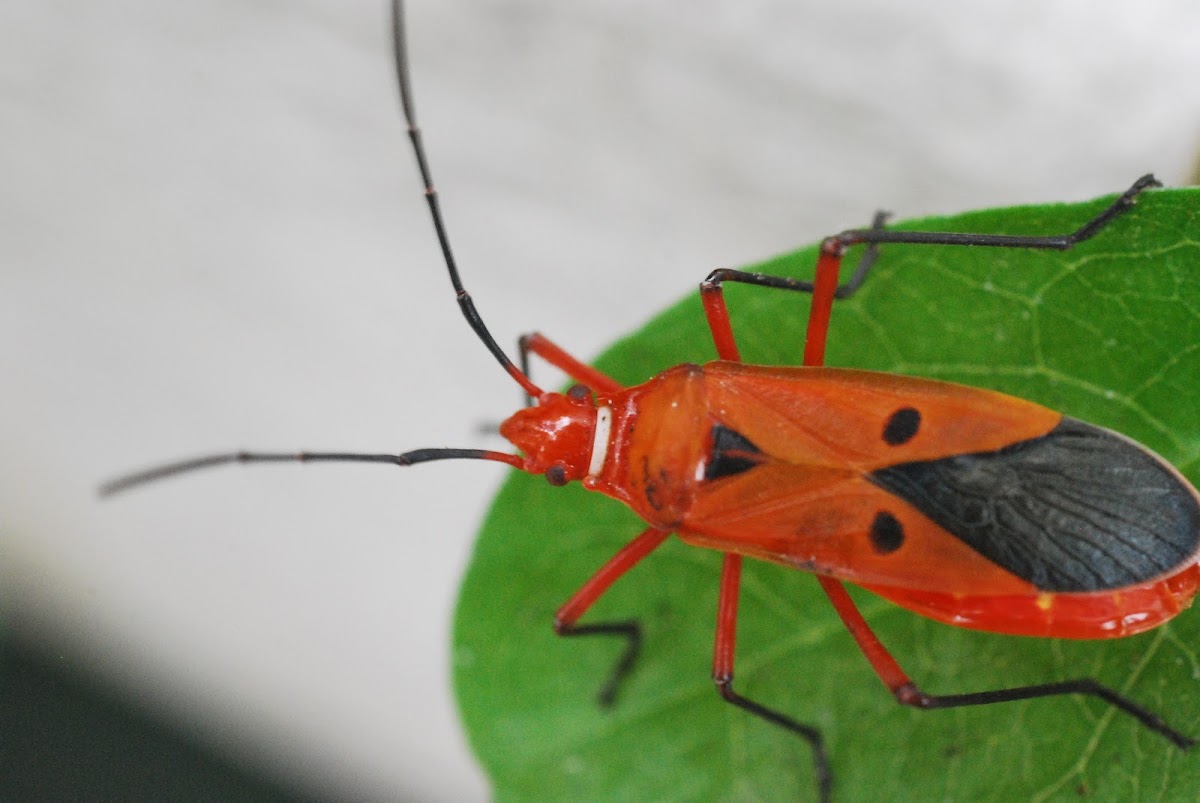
(1108, 332)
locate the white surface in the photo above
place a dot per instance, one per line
(212, 236)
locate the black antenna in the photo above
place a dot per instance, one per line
(464, 302)
(210, 461)
(400, 49)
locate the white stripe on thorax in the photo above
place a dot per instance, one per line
(600, 442)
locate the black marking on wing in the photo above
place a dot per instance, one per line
(901, 426)
(732, 453)
(887, 533)
(1078, 509)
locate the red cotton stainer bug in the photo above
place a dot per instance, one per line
(966, 506)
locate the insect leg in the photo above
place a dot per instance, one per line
(723, 651)
(907, 693)
(731, 571)
(1056, 242)
(825, 289)
(592, 590)
(536, 343)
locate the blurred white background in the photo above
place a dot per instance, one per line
(212, 236)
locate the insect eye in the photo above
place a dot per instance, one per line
(579, 392)
(557, 474)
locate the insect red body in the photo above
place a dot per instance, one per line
(790, 465)
(963, 505)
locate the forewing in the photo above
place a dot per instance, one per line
(864, 420)
(839, 523)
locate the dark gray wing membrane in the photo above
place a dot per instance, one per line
(1078, 509)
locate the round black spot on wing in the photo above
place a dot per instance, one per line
(1077, 509)
(901, 426)
(887, 534)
